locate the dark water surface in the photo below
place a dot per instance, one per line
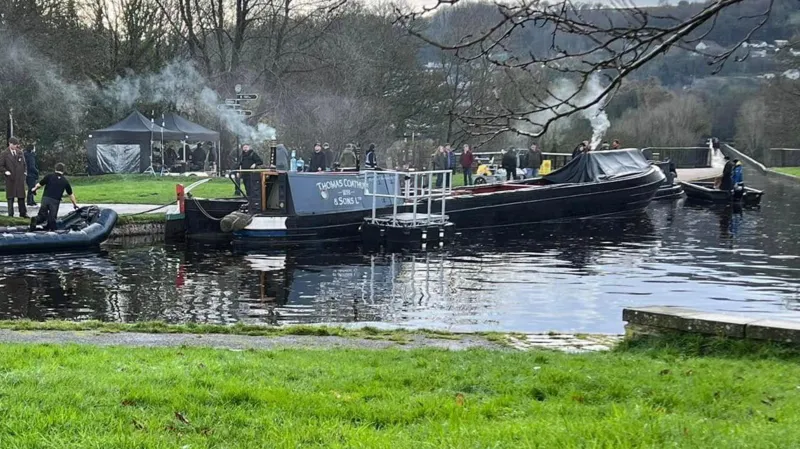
(574, 276)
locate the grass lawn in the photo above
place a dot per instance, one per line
(142, 189)
(794, 171)
(642, 396)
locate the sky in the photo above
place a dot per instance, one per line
(422, 3)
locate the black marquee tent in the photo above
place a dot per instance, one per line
(192, 132)
(127, 146)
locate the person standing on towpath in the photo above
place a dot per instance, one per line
(12, 166)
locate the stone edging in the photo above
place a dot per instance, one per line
(739, 155)
(137, 229)
(706, 323)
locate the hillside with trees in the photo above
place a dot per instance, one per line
(343, 72)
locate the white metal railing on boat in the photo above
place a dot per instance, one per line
(409, 188)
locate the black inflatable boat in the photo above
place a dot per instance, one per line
(84, 228)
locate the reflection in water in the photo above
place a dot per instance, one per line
(573, 276)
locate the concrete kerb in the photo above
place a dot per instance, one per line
(758, 165)
(657, 318)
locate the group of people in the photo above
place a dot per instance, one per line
(584, 147)
(19, 168)
(321, 160)
(530, 160)
(732, 175)
(445, 159)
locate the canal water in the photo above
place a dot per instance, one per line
(573, 276)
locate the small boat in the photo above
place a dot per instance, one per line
(706, 193)
(84, 228)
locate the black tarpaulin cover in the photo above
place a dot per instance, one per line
(597, 166)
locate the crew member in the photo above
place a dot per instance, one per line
(583, 147)
(326, 149)
(726, 183)
(318, 159)
(467, 159)
(371, 162)
(12, 165)
(533, 162)
(737, 175)
(33, 173)
(249, 160)
(281, 157)
(439, 164)
(509, 163)
(615, 144)
(451, 164)
(55, 184)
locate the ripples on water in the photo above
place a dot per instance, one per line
(574, 276)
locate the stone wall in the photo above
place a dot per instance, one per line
(783, 157)
(138, 229)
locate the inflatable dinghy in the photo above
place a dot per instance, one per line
(84, 228)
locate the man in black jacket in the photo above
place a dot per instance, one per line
(726, 183)
(55, 184)
(249, 160)
(533, 162)
(371, 162)
(33, 173)
(318, 159)
(509, 163)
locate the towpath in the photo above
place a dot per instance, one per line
(456, 342)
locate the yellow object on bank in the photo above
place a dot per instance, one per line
(483, 170)
(546, 167)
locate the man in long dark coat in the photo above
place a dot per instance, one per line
(12, 166)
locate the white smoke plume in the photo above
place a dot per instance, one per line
(179, 83)
(19, 63)
(564, 89)
(595, 113)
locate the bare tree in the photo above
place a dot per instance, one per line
(679, 121)
(751, 126)
(612, 42)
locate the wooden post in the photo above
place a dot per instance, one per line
(179, 191)
(263, 191)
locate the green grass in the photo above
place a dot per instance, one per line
(794, 171)
(142, 189)
(644, 396)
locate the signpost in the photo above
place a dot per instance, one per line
(234, 105)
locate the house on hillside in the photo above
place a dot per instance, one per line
(708, 48)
